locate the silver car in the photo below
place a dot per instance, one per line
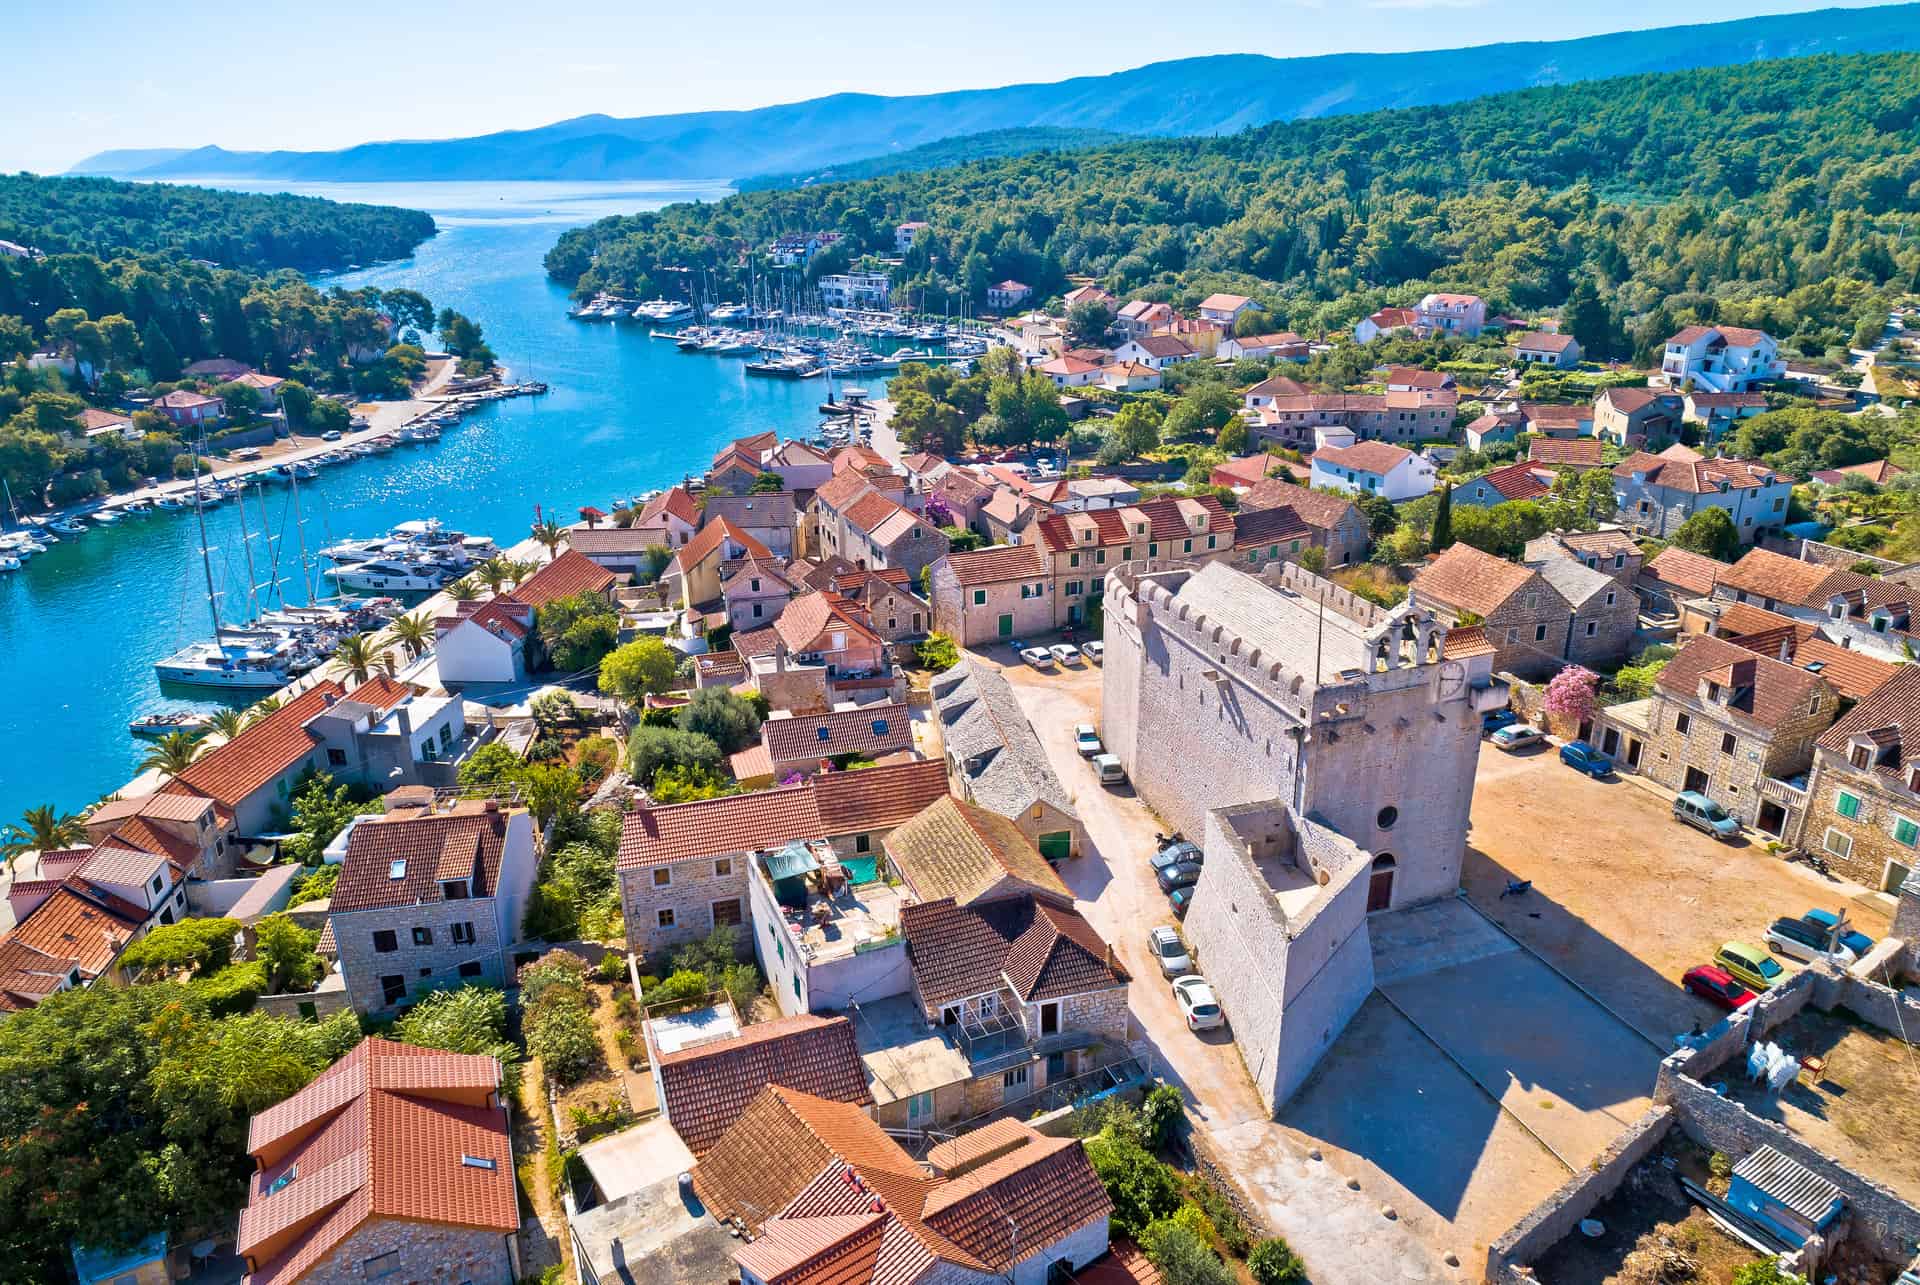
(1169, 952)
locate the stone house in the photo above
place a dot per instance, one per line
(669, 519)
(891, 609)
(1632, 416)
(192, 830)
(963, 494)
(397, 1162)
(705, 1080)
(738, 466)
(1576, 453)
(697, 574)
(1727, 722)
(992, 594)
(1079, 547)
(1008, 516)
(1863, 795)
(1411, 415)
(801, 468)
(1350, 740)
(1538, 617)
(431, 898)
(995, 760)
(1493, 429)
(1262, 394)
(768, 518)
(683, 867)
(1336, 523)
(1610, 551)
(1657, 493)
(756, 591)
(1871, 615)
(808, 743)
(853, 519)
(1676, 576)
(1269, 535)
(960, 850)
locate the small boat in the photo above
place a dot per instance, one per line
(8, 562)
(381, 444)
(67, 526)
(296, 469)
(168, 504)
(158, 725)
(104, 517)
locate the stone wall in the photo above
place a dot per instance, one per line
(417, 1251)
(1871, 852)
(1832, 555)
(1556, 1217)
(324, 1002)
(693, 888)
(438, 961)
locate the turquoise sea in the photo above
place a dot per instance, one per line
(82, 624)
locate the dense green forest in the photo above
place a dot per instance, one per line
(941, 155)
(108, 219)
(1784, 195)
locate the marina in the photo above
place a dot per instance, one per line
(93, 608)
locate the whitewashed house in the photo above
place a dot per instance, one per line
(1374, 468)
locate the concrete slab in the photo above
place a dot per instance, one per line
(1439, 934)
(641, 1157)
(902, 1054)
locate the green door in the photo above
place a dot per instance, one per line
(1006, 626)
(1057, 846)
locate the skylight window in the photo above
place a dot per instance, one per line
(397, 869)
(293, 1171)
(477, 1162)
(826, 734)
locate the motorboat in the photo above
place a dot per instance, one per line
(730, 312)
(67, 526)
(296, 469)
(391, 575)
(154, 726)
(663, 311)
(9, 562)
(229, 665)
(104, 517)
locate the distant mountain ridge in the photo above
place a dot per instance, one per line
(948, 151)
(1212, 95)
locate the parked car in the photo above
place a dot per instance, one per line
(1065, 653)
(1582, 757)
(1038, 657)
(1798, 939)
(1095, 651)
(1086, 740)
(1174, 853)
(1179, 900)
(1857, 942)
(1517, 736)
(1197, 1002)
(1499, 718)
(1716, 986)
(1180, 874)
(1168, 949)
(1108, 769)
(1749, 965)
(331, 435)
(1702, 813)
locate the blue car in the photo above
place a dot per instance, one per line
(1582, 757)
(1857, 942)
(1499, 718)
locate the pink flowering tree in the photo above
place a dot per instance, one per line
(1571, 694)
(938, 512)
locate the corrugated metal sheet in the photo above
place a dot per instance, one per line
(1789, 1182)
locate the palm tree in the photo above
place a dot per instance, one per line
(413, 632)
(494, 573)
(41, 829)
(172, 752)
(360, 656)
(550, 535)
(227, 723)
(261, 708)
(521, 570)
(463, 589)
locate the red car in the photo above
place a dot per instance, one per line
(1716, 986)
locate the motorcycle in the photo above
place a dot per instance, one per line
(1812, 859)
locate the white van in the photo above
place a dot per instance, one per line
(1107, 768)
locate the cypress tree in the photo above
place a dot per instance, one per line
(1443, 520)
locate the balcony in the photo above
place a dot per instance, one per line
(1788, 794)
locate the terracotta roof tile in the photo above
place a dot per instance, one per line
(1516, 482)
(1582, 451)
(1316, 508)
(1467, 579)
(714, 538)
(877, 798)
(780, 1143)
(572, 572)
(706, 1087)
(1852, 674)
(807, 621)
(1047, 1188)
(1466, 640)
(1367, 457)
(1166, 519)
(871, 730)
(1042, 948)
(996, 564)
(1695, 476)
(1764, 691)
(418, 848)
(1269, 526)
(1694, 573)
(958, 850)
(80, 922)
(231, 772)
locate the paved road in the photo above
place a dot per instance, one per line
(1339, 1231)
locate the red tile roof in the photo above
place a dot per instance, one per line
(870, 730)
(1579, 451)
(1466, 640)
(1695, 573)
(1269, 526)
(82, 923)
(996, 564)
(1766, 574)
(1367, 457)
(390, 1131)
(1695, 476)
(1852, 674)
(1764, 691)
(706, 1087)
(712, 539)
(1246, 470)
(1541, 341)
(672, 502)
(821, 807)
(1468, 579)
(424, 850)
(568, 574)
(29, 974)
(1043, 947)
(1316, 508)
(1165, 518)
(1414, 377)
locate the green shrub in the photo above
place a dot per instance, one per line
(465, 1019)
(232, 989)
(1273, 1262)
(1142, 1189)
(612, 967)
(1184, 1258)
(938, 653)
(560, 1033)
(1159, 1114)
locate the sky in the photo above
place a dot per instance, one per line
(87, 75)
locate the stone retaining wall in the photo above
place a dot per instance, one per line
(1556, 1217)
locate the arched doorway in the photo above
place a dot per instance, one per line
(1380, 883)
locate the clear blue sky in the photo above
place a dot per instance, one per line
(86, 75)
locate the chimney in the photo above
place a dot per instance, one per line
(491, 805)
(1786, 648)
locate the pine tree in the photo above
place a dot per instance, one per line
(1443, 520)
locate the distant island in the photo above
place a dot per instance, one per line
(1214, 95)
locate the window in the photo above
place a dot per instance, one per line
(756, 611)
(1619, 561)
(722, 867)
(1073, 559)
(863, 843)
(1210, 540)
(157, 883)
(1014, 1079)
(336, 758)
(662, 877)
(1188, 547)
(1847, 805)
(1386, 817)
(1906, 833)
(1609, 597)
(426, 972)
(1099, 557)
(463, 933)
(393, 988)
(1682, 723)
(1539, 633)
(1726, 742)
(1860, 756)
(1153, 550)
(879, 727)
(1837, 843)
(980, 597)
(665, 917)
(920, 1107)
(422, 935)
(381, 1265)
(384, 942)
(454, 890)
(824, 733)
(1513, 635)
(1073, 588)
(1593, 627)
(726, 914)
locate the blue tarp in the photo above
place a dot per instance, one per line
(791, 862)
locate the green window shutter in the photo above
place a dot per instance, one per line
(979, 597)
(1847, 805)
(1906, 832)
(1153, 550)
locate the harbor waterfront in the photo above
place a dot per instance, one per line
(82, 624)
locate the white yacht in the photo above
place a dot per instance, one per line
(391, 575)
(663, 311)
(226, 664)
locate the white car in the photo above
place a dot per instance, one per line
(1038, 657)
(1517, 736)
(1095, 651)
(1086, 740)
(1169, 952)
(1197, 1003)
(1065, 653)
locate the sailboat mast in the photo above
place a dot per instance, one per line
(300, 531)
(206, 556)
(266, 533)
(246, 545)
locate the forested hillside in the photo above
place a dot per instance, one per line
(940, 155)
(233, 229)
(1782, 195)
